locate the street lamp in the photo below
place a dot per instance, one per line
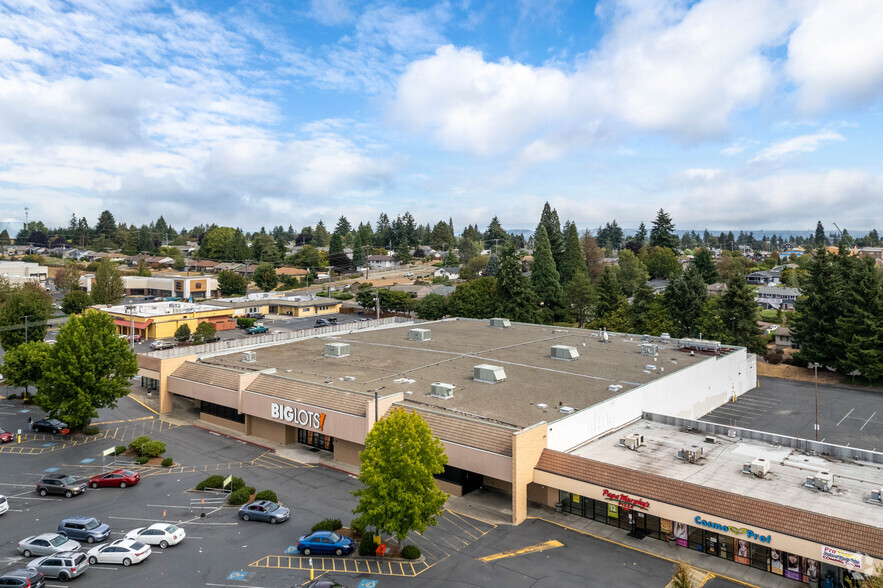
(131, 309)
(815, 367)
(26, 317)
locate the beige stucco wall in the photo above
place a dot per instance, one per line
(527, 446)
(476, 460)
(336, 424)
(213, 420)
(195, 390)
(777, 540)
(269, 430)
(347, 452)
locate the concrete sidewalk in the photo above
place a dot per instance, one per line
(496, 508)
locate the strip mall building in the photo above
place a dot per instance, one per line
(539, 413)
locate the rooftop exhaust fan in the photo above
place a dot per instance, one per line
(419, 335)
(336, 350)
(441, 390)
(564, 352)
(488, 374)
(249, 356)
(500, 323)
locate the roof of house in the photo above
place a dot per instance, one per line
(379, 258)
(779, 291)
(449, 270)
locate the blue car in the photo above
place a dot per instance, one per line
(264, 510)
(324, 542)
(87, 529)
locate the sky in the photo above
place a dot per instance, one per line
(729, 114)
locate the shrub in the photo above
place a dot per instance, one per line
(327, 525)
(91, 430)
(774, 357)
(236, 484)
(358, 527)
(266, 495)
(167, 462)
(238, 497)
(154, 448)
(211, 482)
(137, 442)
(411, 552)
(119, 449)
(244, 323)
(367, 546)
(142, 460)
(251, 490)
(12, 396)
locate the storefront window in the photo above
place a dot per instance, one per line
(315, 439)
(613, 515)
(149, 383)
(792, 566)
(697, 538)
(726, 547)
(600, 511)
(224, 412)
(653, 527)
(759, 556)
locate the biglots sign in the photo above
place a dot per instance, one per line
(299, 416)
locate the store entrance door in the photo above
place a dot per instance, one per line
(711, 543)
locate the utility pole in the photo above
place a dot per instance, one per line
(815, 367)
(26, 317)
(377, 303)
(131, 309)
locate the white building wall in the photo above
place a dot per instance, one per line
(689, 393)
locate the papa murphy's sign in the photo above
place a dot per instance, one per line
(304, 418)
(625, 501)
(843, 558)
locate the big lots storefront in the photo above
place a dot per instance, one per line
(781, 540)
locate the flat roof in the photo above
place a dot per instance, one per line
(721, 469)
(152, 309)
(386, 361)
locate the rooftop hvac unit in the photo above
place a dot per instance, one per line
(823, 481)
(249, 356)
(731, 433)
(441, 390)
(876, 496)
(710, 439)
(632, 441)
(488, 374)
(614, 387)
(419, 335)
(760, 467)
(564, 352)
(336, 350)
(500, 323)
(692, 454)
(566, 410)
(651, 349)
(650, 367)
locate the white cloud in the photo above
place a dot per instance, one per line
(331, 12)
(801, 144)
(836, 53)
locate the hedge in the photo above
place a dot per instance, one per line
(167, 462)
(91, 430)
(119, 449)
(238, 497)
(236, 484)
(154, 448)
(142, 460)
(367, 546)
(211, 482)
(266, 495)
(411, 552)
(327, 525)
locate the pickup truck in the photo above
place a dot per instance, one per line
(256, 329)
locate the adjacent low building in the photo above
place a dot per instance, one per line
(166, 286)
(21, 272)
(160, 320)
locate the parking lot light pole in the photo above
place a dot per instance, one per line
(815, 367)
(131, 309)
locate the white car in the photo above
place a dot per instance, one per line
(4, 504)
(162, 534)
(121, 551)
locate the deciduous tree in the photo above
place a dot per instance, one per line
(28, 300)
(108, 287)
(593, 255)
(582, 297)
(231, 284)
(663, 263)
(23, 365)
(205, 331)
(474, 299)
(75, 302)
(265, 277)
(432, 308)
(401, 457)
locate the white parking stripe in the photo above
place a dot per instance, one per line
(868, 421)
(847, 414)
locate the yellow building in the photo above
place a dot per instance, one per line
(160, 320)
(270, 303)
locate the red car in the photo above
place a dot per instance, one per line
(119, 478)
(5, 436)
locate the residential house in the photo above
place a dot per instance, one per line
(658, 285)
(415, 290)
(448, 273)
(775, 297)
(227, 266)
(443, 290)
(764, 277)
(200, 265)
(379, 262)
(782, 338)
(296, 272)
(874, 252)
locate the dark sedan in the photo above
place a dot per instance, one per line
(53, 426)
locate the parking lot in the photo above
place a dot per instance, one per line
(221, 550)
(848, 416)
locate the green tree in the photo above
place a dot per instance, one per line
(75, 302)
(442, 237)
(632, 273)
(451, 260)
(343, 227)
(23, 365)
(67, 279)
(205, 331)
(474, 299)
(516, 300)
(573, 262)
(593, 255)
(88, 368)
(582, 297)
(265, 276)
(641, 235)
(663, 263)
(306, 257)
(106, 225)
(610, 296)
(142, 269)
(662, 233)
(4, 238)
(641, 307)
(336, 244)
(468, 250)
(860, 326)
(232, 284)
(108, 287)
(401, 457)
(820, 238)
(817, 310)
(704, 262)
(475, 267)
(182, 333)
(549, 220)
(403, 254)
(359, 251)
(685, 301)
(263, 248)
(321, 238)
(495, 236)
(493, 265)
(544, 277)
(739, 314)
(28, 300)
(432, 308)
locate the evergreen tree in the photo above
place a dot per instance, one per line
(739, 314)
(336, 244)
(343, 227)
(573, 262)
(516, 300)
(641, 307)
(321, 238)
(820, 238)
(359, 251)
(493, 265)
(366, 233)
(662, 234)
(145, 240)
(685, 301)
(4, 238)
(383, 234)
(441, 237)
(495, 237)
(593, 255)
(451, 260)
(106, 224)
(860, 326)
(549, 220)
(582, 297)
(641, 235)
(108, 287)
(817, 309)
(632, 273)
(544, 277)
(610, 296)
(467, 250)
(237, 247)
(704, 262)
(403, 254)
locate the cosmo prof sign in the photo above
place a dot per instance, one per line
(749, 534)
(299, 416)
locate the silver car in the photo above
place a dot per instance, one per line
(63, 565)
(46, 544)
